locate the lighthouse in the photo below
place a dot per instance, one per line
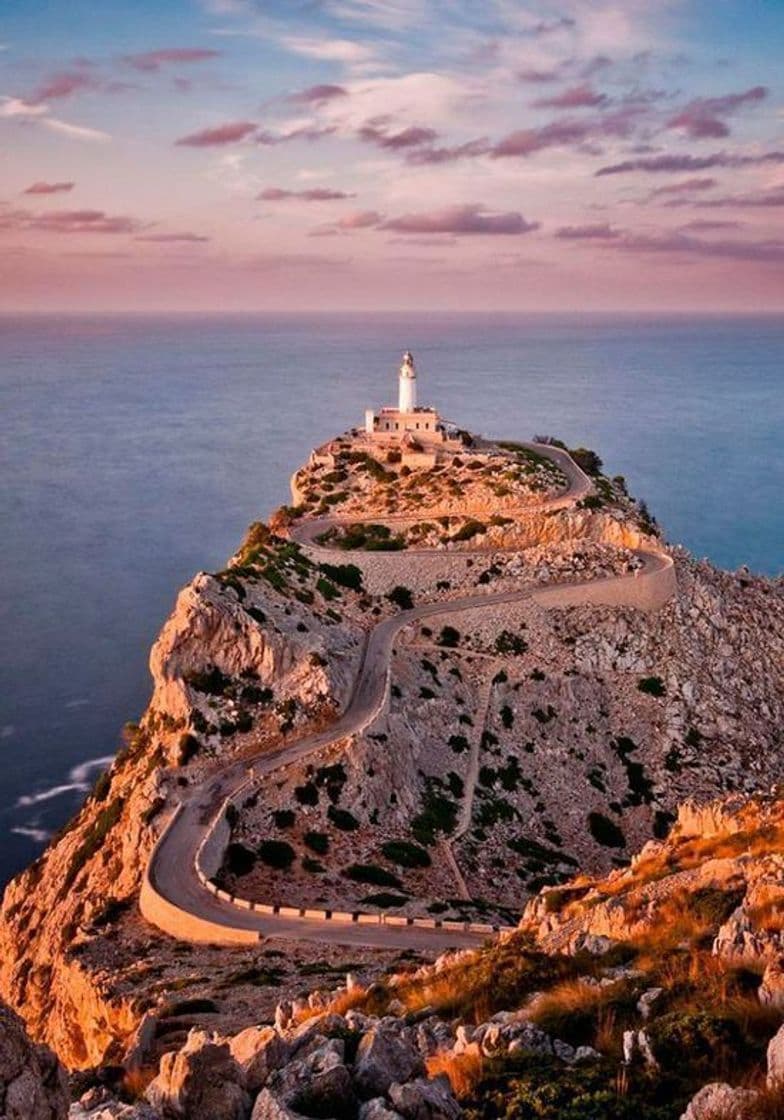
(408, 421)
(407, 384)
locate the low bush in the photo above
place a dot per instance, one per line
(605, 831)
(371, 873)
(653, 686)
(405, 854)
(276, 853)
(342, 819)
(402, 597)
(318, 842)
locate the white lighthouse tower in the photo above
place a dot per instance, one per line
(408, 421)
(407, 384)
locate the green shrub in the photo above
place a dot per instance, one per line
(605, 831)
(384, 900)
(307, 794)
(327, 589)
(507, 642)
(405, 854)
(239, 860)
(346, 575)
(458, 743)
(653, 686)
(469, 530)
(507, 716)
(371, 873)
(342, 819)
(318, 842)
(402, 597)
(449, 637)
(283, 818)
(276, 853)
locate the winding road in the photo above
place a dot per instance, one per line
(177, 898)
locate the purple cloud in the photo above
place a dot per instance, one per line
(68, 221)
(150, 61)
(63, 84)
(312, 194)
(168, 238)
(360, 219)
(469, 219)
(433, 155)
(675, 163)
(317, 95)
(678, 243)
(49, 188)
(376, 132)
(220, 134)
(686, 186)
(567, 131)
(537, 77)
(703, 118)
(598, 232)
(701, 225)
(583, 96)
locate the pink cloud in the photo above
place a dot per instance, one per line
(150, 61)
(376, 132)
(568, 131)
(531, 74)
(433, 155)
(309, 132)
(68, 221)
(317, 95)
(576, 97)
(599, 231)
(63, 84)
(704, 117)
(312, 194)
(469, 219)
(686, 186)
(169, 238)
(701, 225)
(676, 163)
(360, 219)
(676, 243)
(220, 134)
(48, 188)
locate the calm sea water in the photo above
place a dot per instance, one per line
(135, 450)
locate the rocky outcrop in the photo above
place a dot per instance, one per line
(202, 1079)
(33, 1084)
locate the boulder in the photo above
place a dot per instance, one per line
(33, 1084)
(719, 1101)
(648, 1000)
(318, 1084)
(776, 1059)
(269, 1107)
(425, 1099)
(771, 990)
(200, 1080)
(384, 1057)
(258, 1051)
(378, 1109)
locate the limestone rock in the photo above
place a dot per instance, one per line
(719, 1101)
(202, 1079)
(384, 1057)
(776, 1058)
(377, 1109)
(425, 1099)
(258, 1051)
(318, 1084)
(269, 1107)
(33, 1084)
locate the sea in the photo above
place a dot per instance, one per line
(136, 449)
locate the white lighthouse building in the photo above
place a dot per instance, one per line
(407, 384)
(408, 420)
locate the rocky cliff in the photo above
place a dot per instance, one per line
(517, 746)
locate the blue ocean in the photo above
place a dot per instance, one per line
(136, 449)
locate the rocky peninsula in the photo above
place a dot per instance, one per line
(456, 794)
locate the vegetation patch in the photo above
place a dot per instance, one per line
(276, 853)
(405, 854)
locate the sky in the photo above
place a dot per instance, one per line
(293, 155)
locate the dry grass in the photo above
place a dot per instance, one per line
(581, 1012)
(465, 1071)
(342, 1003)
